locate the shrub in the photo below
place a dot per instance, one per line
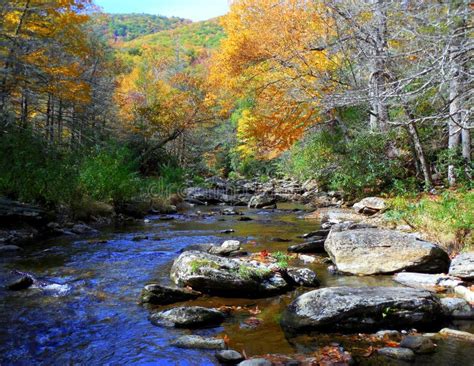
(110, 174)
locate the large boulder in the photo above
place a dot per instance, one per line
(13, 213)
(369, 205)
(463, 266)
(188, 317)
(375, 251)
(225, 276)
(359, 309)
(430, 282)
(164, 295)
(262, 200)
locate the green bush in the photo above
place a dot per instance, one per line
(110, 174)
(356, 164)
(32, 171)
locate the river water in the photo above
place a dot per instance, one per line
(92, 316)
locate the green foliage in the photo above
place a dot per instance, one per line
(462, 170)
(131, 26)
(32, 171)
(197, 264)
(110, 174)
(356, 164)
(447, 219)
(282, 259)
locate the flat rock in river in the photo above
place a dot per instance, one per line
(164, 295)
(199, 342)
(226, 276)
(430, 282)
(364, 308)
(188, 317)
(463, 266)
(375, 251)
(313, 246)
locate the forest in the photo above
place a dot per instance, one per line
(106, 119)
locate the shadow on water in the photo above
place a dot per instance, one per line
(98, 320)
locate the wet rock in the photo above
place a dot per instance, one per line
(197, 194)
(430, 282)
(453, 333)
(463, 266)
(256, 362)
(465, 293)
(370, 205)
(457, 308)
(230, 212)
(205, 247)
(261, 201)
(225, 276)
(194, 341)
(16, 213)
(418, 344)
(364, 308)
(376, 251)
(403, 354)
(226, 248)
(24, 282)
(303, 277)
(392, 335)
(164, 295)
(314, 246)
(9, 248)
(188, 317)
(140, 237)
(245, 218)
(81, 229)
(229, 357)
(319, 234)
(334, 216)
(227, 231)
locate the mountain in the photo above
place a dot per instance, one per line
(126, 27)
(205, 34)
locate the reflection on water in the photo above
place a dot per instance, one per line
(90, 314)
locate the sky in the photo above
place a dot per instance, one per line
(189, 9)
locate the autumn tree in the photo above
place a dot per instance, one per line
(162, 97)
(272, 56)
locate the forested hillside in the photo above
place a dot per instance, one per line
(125, 27)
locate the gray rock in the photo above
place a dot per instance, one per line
(81, 229)
(229, 357)
(430, 282)
(376, 251)
(458, 334)
(370, 205)
(393, 335)
(188, 317)
(418, 344)
(303, 277)
(164, 295)
(261, 201)
(226, 248)
(314, 246)
(319, 234)
(22, 283)
(9, 248)
(403, 354)
(194, 341)
(457, 308)
(364, 308)
(225, 276)
(256, 362)
(463, 266)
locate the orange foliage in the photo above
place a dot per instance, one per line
(272, 54)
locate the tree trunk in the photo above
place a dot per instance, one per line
(377, 87)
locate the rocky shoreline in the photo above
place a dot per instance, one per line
(355, 246)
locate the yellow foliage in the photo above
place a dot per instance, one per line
(272, 54)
